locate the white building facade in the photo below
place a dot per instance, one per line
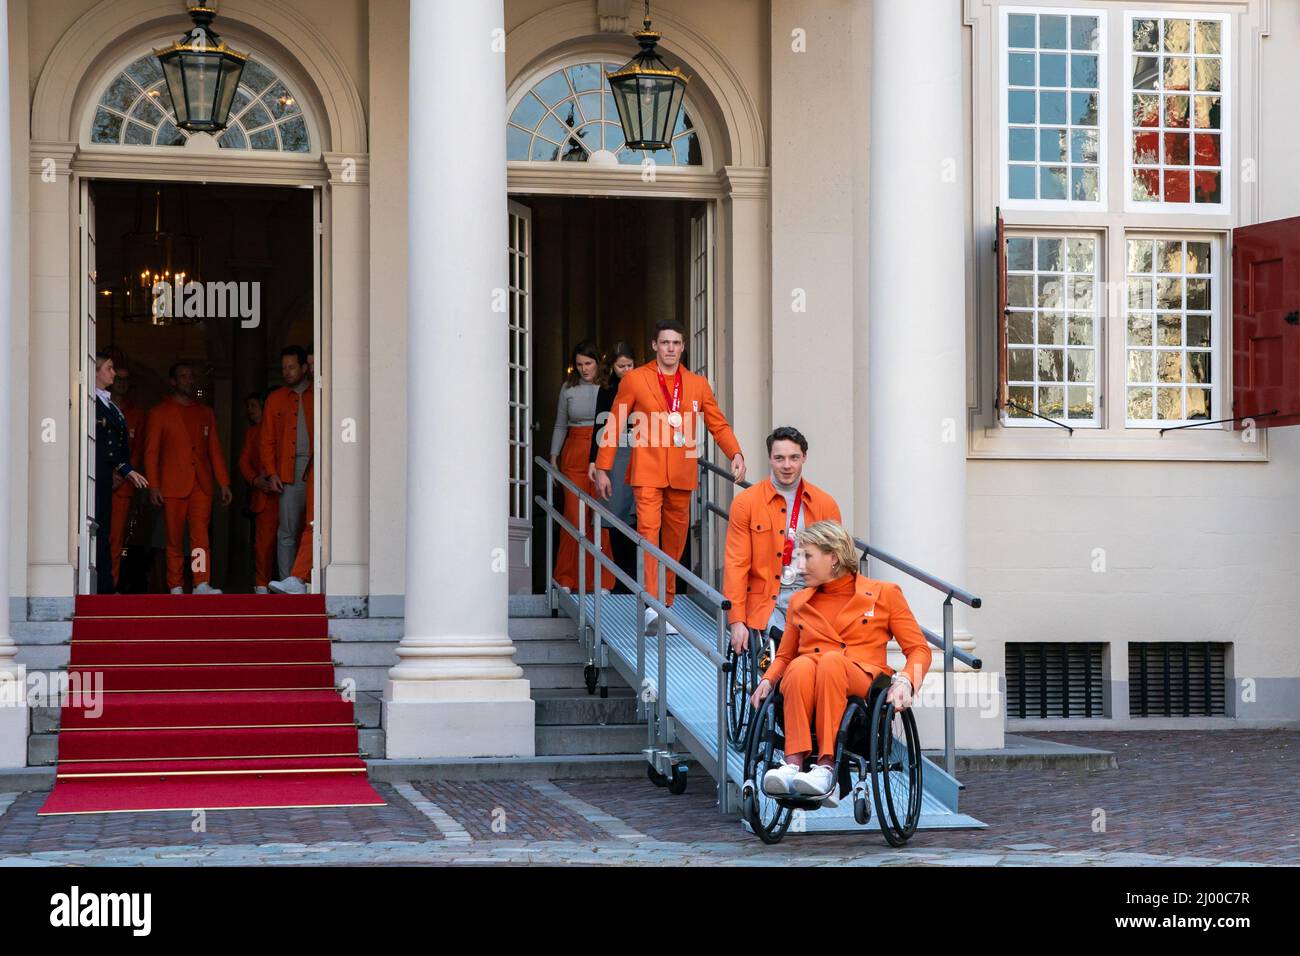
(980, 253)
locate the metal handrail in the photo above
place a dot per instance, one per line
(951, 652)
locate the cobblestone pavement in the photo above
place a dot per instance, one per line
(1182, 798)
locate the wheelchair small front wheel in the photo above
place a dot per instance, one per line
(861, 811)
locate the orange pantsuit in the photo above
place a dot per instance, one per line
(574, 457)
(266, 516)
(184, 460)
(835, 645)
(663, 475)
(278, 443)
(125, 492)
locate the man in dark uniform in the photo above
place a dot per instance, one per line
(112, 467)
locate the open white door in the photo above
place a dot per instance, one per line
(320, 465)
(699, 358)
(87, 529)
(521, 397)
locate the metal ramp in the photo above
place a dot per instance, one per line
(692, 704)
(682, 688)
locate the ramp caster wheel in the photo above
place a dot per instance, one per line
(677, 783)
(861, 810)
(658, 779)
(589, 675)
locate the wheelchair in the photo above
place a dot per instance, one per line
(744, 670)
(877, 751)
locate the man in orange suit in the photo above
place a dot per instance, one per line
(261, 503)
(287, 436)
(669, 408)
(760, 574)
(125, 492)
(185, 464)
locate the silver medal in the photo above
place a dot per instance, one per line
(788, 574)
(675, 419)
(679, 439)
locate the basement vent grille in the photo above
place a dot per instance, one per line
(1056, 679)
(1176, 679)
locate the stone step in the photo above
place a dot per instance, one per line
(590, 739)
(574, 706)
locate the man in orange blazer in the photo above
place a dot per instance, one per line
(263, 505)
(185, 464)
(125, 493)
(669, 408)
(286, 439)
(760, 574)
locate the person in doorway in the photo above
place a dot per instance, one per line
(112, 469)
(286, 440)
(668, 408)
(835, 646)
(125, 495)
(263, 505)
(185, 464)
(621, 502)
(760, 574)
(575, 419)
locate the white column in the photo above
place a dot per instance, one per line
(456, 690)
(917, 360)
(13, 696)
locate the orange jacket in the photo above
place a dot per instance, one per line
(861, 631)
(250, 466)
(279, 434)
(135, 418)
(656, 462)
(756, 528)
(182, 449)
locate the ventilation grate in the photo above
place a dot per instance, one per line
(1056, 679)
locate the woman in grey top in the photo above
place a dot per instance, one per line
(621, 502)
(575, 418)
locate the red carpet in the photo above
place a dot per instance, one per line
(209, 702)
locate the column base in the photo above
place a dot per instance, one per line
(13, 722)
(463, 718)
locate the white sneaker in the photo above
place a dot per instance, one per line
(819, 781)
(261, 590)
(289, 585)
(206, 588)
(178, 590)
(651, 615)
(777, 781)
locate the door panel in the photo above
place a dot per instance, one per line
(87, 529)
(520, 238)
(1266, 322)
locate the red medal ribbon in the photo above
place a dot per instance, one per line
(674, 400)
(794, 523)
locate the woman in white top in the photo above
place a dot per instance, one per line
(575, 419)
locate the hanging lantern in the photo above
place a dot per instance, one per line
(202, 75)
(647, 94)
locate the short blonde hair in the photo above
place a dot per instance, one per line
(834, 539)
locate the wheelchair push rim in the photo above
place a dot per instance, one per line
(740, 685)
(895, 771)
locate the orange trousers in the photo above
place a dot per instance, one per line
(302, 560)
(820, 685)
(194, 511)
(265, 524)
(574, 456)
(117, 530)
(662, 517)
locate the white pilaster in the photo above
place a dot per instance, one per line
(917, 356)
(13, 696)
(456, 690)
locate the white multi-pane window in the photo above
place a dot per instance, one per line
(1053, 328)
(1169, 331)
(1053, 108)
(1177, 112)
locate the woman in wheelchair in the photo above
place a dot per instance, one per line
(834, 646)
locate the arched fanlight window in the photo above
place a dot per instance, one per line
(569, 116)
(136, 110)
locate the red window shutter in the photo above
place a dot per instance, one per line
(1266, 322)
(1000, 399)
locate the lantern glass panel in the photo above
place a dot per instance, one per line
(176, 87)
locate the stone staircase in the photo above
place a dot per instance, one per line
(569, 720)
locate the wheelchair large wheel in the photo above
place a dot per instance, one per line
(895, 770)
(741, 678)
(766, 747)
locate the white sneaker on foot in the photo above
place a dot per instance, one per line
(776, 782)
(261, 590)
(817, 781)
(206, 588)
(178, 591)
(289, 585)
